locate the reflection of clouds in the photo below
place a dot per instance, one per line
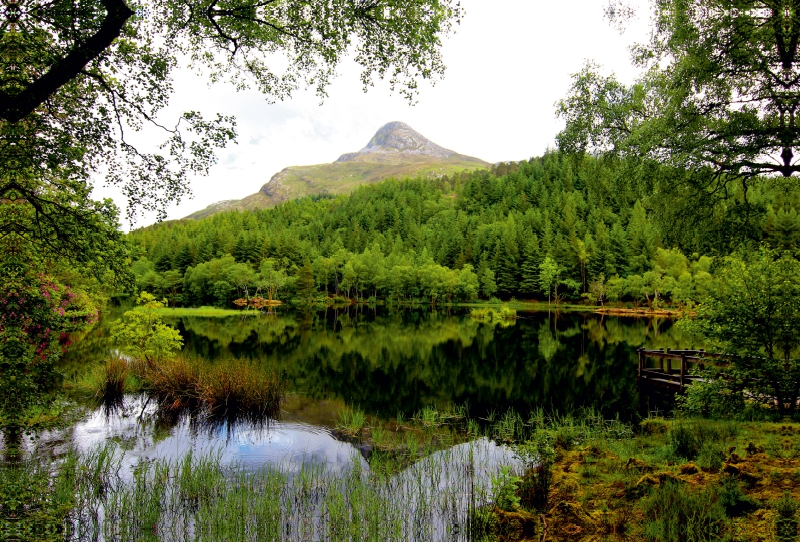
(439, 490)
(285, 445)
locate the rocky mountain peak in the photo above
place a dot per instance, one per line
(393, 141)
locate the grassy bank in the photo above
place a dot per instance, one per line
(204, 312)
(441, 476)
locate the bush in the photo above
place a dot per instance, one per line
(678, 514)
(504, 490)
(711, 398)
(143, 335)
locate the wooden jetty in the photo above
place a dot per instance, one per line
(666, 376)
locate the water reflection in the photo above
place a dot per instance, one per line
(386, 362)
(138, 431)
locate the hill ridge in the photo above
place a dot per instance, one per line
(396, 150)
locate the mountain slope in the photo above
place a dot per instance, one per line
(396, 150)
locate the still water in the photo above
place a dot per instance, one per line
(384, 362)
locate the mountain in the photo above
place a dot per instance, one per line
(396, 150)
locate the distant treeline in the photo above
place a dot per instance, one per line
(554, 226)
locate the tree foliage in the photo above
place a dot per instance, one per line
(143, 335)
(414, 239)
(753, 314)
(718, 96)
(79, 75)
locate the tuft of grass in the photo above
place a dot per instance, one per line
(733, 499)
(689, 437)
(238, 387)
(172, 382)
(108, 382)
(676, 513)
(351, 422)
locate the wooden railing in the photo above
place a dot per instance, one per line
(669, 377)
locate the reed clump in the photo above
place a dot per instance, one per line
(239, 387)
(108, 381)
(172, 382)
(227, 388)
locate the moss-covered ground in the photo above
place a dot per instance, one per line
(669, 480)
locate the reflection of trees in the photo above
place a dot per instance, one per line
(386, 362)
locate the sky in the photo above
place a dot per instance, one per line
(507, 65)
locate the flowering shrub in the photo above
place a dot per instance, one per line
(36, 315)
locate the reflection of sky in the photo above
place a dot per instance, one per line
(284, 445)
(430, 500)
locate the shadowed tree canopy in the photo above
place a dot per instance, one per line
(719, 93)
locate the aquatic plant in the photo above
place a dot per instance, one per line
(201, 498)
(351, 421)
(238, 387)
(106, 382)
(172, 382)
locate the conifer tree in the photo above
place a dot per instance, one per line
(486, 278)
(305, 282)
(184, 257)
(618, 240)
(163, 263)
(506, 266)
(530, 266)
(643, 240)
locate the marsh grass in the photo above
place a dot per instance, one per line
(226, 389)
(238, 387)
(701, 439)
(173, 382)
(351, 422)
(108, 382)
(426, 480)
(676, 513)
(200, 498)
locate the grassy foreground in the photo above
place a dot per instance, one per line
(552, 478)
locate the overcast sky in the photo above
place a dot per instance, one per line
(507, 65)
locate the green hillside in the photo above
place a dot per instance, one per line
(396, 151)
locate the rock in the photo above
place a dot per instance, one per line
(398, 138)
